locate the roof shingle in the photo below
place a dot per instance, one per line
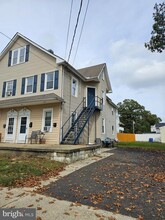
(91, 71)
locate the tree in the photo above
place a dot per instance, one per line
(157, 41)
(135, 118)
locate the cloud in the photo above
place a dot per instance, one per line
(135, 67)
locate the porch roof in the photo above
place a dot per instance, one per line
(30, 100)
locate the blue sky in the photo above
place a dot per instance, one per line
(114, 33)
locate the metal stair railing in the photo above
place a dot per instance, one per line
(67, 125)
(83, 114)
(88, 112)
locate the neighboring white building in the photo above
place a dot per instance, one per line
(162, 134)
(156, 128)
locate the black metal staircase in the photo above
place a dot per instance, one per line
(74, 126)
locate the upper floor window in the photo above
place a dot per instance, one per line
(49, 81)
(74, 87)
(103, 97)
(19, 55)
(112, 111)
(103, 126)
(9, 88)
(29, 85)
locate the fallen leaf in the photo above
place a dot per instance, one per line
(66, 213)
(98, 215)
(140, 218)
(39, 208)
(111, 218)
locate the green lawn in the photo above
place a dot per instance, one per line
(19, 168)
(143, 145)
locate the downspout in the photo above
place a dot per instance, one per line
(62, 103)
(88, 132)
(95, 127)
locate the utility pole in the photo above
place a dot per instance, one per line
(133, 125)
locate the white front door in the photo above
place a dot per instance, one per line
(23, 125)
(11, 126)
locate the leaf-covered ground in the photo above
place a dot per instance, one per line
(28, 171)
(131, 182)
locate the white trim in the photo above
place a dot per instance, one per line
(26, 84)
(7, 82)
(50, 72)
(23, 113)
(43, 119)
(11, 114)
(18, 55)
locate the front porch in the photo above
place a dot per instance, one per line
(62, 153)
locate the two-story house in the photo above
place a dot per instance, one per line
(41, 91)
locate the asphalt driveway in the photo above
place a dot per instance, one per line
(131, 182)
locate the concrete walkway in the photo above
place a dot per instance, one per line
(52, 209)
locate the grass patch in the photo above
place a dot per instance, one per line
(19, 168)
(143, 145)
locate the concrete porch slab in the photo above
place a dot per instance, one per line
(62, 153)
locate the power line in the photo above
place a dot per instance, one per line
(5, 35)
(70, 15)
(81, 31)
(75, 29)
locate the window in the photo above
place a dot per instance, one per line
(9, 88)
(22, 55)
(15, 57)
(112, 129)
(10, 126)
(103, 126)
(23, 125)
(18, 56)
(49, 80)
(103, 97)
(112, 111)
(29, 84)
(47, 120)
(74, 87)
